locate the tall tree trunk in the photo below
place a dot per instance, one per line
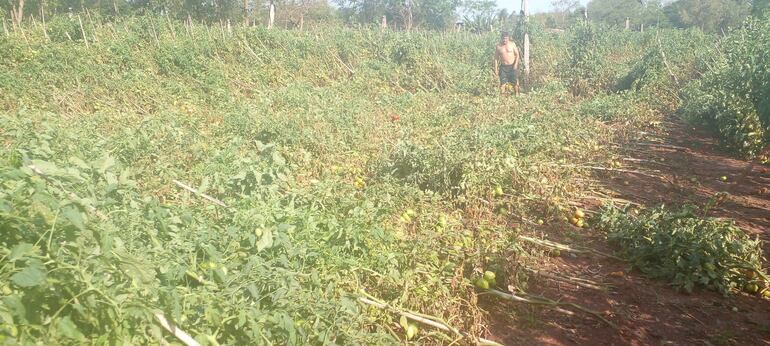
(301, 21)
(245, 12)
(20, 12)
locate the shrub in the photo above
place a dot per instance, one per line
(684, 247)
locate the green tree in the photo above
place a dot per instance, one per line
(613, 12)
(562, 11)
(760, 7)
(479, 15)
(432, 14)
(708, 15)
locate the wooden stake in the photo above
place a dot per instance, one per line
(525, 13)
(538, 300)
(42, 17)
(20, 15)
(271, 19)
(154, 33)
(246, 13)
(301, 21)
(111, 31)
(171, 26)
(424, 320)
(93, 27)
(175, 331)
(202, 195)
(83, 32)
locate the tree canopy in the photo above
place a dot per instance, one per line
(708, 15)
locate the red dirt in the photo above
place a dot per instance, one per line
(649, 312)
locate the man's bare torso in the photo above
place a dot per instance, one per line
(507, 54)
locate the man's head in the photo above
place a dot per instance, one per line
(504, 37)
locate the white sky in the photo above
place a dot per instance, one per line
(535, 6)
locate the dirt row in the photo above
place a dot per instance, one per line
(677, 166)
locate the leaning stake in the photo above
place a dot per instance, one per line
(424, 320)
(173, 329)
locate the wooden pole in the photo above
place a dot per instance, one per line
(154, 32)
(628, 23)
(409, 15)
(42, 18)
(20, 15)
(245, 13)
(13, 17)
(384, 23)
(271, 10)
(301, 21)
(525, 13)
(93, 26)
(82, 31)
(175, 330)
(171, 26)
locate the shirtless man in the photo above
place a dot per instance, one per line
(507, 63)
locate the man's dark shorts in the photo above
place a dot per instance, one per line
(508, 75)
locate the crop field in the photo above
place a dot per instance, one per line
(338, 185)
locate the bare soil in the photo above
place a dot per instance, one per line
(682, 165)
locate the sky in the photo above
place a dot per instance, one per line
(535, 6)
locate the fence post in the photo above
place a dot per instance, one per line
(525, 13)
(83, 32)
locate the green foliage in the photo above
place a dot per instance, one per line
(590, 68)
(684, 247)
(732, 96)
(295, 133)
(319, 142)
(437, 14)
(615, 12)
(708, 15)
(759, 8)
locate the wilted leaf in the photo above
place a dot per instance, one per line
(266, 240)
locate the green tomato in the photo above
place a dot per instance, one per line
(489, 275)
(482, 284)
(411, 331)
(442, 221)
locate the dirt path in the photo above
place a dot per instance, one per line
(685, 166)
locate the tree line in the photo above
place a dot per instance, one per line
(707, 15)
(478, 15)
